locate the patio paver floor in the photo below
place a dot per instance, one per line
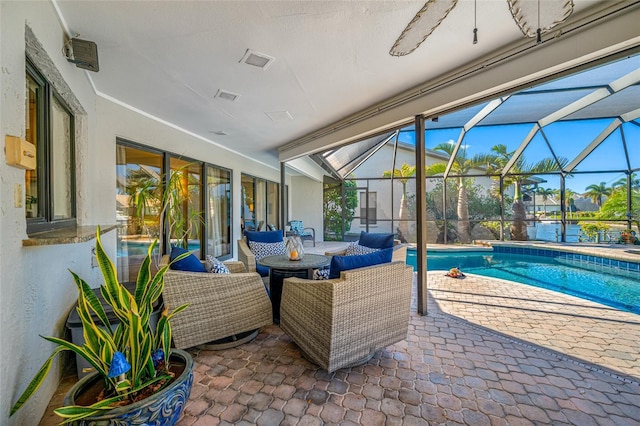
(488, 353)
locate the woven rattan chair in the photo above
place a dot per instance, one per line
(343, 322)
(245, 255)
(224, 309)
(399, 252)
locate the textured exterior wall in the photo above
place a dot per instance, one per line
(36, 289)
(306, 203)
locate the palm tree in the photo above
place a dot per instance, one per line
(622, 182)
(402, 175)
(546, 193)
(597, 191)
(461, 166)
(517, 176)
(569, 201)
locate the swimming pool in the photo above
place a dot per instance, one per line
(557, 273)
(140, 248)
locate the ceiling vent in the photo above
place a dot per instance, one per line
(279, 115)
(226, 95)
(257, 59)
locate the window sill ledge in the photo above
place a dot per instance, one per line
(73, 235)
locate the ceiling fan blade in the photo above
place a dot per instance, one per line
(421, 26)
(533, 14)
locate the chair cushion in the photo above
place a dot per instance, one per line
(297, 227)
(264, 237)
(346, 263)
(321, 274)
(263, 271)
(376, 240)
(355, 249)
(189, 264)
(214, 266)
(261, 250)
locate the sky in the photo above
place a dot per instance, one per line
(567, 139)
(607, 90)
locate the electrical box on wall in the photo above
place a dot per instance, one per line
(20, 153)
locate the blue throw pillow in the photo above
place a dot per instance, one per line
(264, 237)
(346, 263)
(189, 264)
(374, 240)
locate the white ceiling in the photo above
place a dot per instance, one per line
(169, 58)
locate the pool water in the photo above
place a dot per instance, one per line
(140, 248)
(617, 291)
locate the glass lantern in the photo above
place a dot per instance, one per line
(295, 249)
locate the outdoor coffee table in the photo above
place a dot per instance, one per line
(280, 267)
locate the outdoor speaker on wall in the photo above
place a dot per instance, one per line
(83, 53)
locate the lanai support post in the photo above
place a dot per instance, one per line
(283, 207)
(421, 216)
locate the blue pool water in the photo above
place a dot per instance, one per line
(617, 291)
(140, 248)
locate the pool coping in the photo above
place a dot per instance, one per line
(611, 258)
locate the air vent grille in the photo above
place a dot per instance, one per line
(226, 95)
(279, 115)
(257, 59)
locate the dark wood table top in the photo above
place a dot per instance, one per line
(281, 261)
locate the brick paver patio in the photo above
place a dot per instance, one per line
(488, 353)
(464, 363)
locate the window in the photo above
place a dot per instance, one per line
(260, 203)
(206, 210)
(50, 188)
(368, 204)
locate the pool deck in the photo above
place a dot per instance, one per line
(489, 352)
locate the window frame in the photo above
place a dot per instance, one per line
(44, 220)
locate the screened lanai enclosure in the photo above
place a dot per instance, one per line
(558, 161)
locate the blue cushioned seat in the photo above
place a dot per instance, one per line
(376, 240)
(345, 263)
(264, 237)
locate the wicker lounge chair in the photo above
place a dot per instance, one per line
(248, 258)
(245, 255)
(232, 306)
(343, 322)
(399, 252)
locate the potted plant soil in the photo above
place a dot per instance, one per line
(138, 378)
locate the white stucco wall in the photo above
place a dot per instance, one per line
(36, 289)
(305, 197)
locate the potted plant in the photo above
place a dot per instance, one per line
(136, 374)
(168, 200)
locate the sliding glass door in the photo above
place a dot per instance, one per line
(138, 195)
(200, 220)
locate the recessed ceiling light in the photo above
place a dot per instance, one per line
(226, 95)
(257, 59)
(279, 115)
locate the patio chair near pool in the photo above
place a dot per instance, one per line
(297, 228)
(343, 322)
(377, 241)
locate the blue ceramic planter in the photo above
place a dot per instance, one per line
(161, 409)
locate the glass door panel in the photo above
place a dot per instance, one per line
(138, 196)
(273, 200)
(218, 212)
(184, 209)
